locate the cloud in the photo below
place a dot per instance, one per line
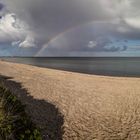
(134, 22)
(93, 37)
(8, 29)
(15, 43)
(15, 32)
(1, 6)
(37, 23)
(29, 42)
(5, 27)
(48, 18)
(92, 44)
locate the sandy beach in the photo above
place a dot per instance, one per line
(73, 106)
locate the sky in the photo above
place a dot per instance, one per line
(69, 28)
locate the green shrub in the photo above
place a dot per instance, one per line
(15, 124)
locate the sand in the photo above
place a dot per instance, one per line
(73, 106)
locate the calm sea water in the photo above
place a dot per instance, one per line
(101, 66)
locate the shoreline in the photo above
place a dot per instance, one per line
(119, 70)
(85, 106)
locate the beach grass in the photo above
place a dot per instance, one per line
(15, 124)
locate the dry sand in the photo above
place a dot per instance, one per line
(87, 107)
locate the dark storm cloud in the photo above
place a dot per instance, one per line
(124, 48)
(93, 37)
(1, 6)
(48, 18)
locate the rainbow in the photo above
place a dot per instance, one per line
(61, 34)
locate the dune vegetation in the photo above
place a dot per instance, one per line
(15, 124)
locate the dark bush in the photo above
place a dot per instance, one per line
(15, 124)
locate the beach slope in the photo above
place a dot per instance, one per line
(73, 106)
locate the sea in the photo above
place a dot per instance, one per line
(107, 66)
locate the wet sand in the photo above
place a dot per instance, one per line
(86, 107)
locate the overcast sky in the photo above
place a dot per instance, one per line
(69, 27)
